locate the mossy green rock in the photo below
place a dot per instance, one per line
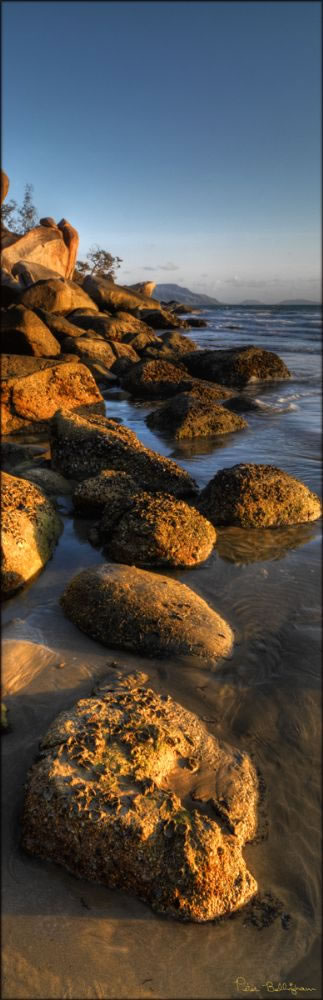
(128, 608)
(255, 496)
(185, 416)
(29, 532)
(118, 797)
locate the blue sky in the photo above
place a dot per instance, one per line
(183, 137)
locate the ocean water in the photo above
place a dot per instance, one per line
(266, 699)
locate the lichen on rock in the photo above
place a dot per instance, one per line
(132, 791)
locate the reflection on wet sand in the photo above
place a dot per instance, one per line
(240, 545)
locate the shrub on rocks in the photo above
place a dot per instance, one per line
(108, 800)
(157, 531)
(29, 531)
(83, 446)
(236, 366)
(255, 496)
(129, 608)
(184, 416)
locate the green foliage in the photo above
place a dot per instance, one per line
(20, 219)
(99, 262)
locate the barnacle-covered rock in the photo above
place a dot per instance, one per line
(157, 530)
(255, 496)
(132, 791)
(185, 416)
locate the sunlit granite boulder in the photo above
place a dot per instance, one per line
(236, 366)
(109, 295)
(31, 394)
(56, 295)
(255, 496)
(144, 287)
(22, 332)
(131, 791)
(83, 446)
(129, 608)
(185, 416)
(30, 528)
(157, 530)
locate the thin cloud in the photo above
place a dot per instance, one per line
(169, 266)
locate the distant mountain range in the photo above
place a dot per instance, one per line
(178, 293)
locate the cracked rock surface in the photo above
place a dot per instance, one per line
(132, 791)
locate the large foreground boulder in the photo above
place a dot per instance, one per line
(34, 398)
(56, 295)
(22, 332)
(236, 366)
(40, 245)
(157, 531)
(118, 797)
(129, 608)
(83, 446)
(156, 379)
(255, 496)
(184, 416)
(30, 528)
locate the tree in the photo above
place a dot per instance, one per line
(27, 214)
(20, 219)
(99, 262)
(8, 216)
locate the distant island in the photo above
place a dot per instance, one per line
(177, 293)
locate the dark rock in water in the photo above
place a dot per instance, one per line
(157, 531)
(129, 608)
(255, 496)
(111, 489)
(241, 404)
(155, 379)
(52, 483)
(30, 529)
(33, 398)
(237, 365)
(22, 332)
(13, 454)
(164, 319)
(82, 447)
(112, 798)
(184, 416)
(195, 321)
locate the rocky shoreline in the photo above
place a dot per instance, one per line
(62, 346)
